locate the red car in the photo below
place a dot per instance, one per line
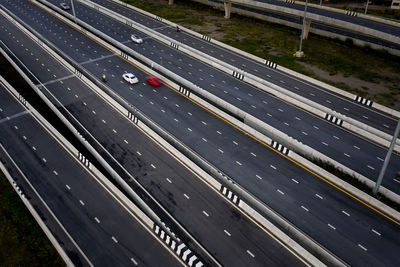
(153, 81)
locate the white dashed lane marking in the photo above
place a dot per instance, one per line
(331, 226)
(227, 233)
(318, 196)
(364, 248)
(205, 213)
(96, 219)
(295, 181)
(346, 213)
(304, 208)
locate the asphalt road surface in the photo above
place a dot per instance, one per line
(103, 231)
(336, 220)
(231, 237)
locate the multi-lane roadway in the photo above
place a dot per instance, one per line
(350, 229)
(96, 229)
(228, 235)
(356, 153)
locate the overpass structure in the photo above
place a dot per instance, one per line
(330, 22)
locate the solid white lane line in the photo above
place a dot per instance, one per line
(96, 219)
(169, 181)
(346, 213)
(376, 232)
(205, 213)
(227, 233)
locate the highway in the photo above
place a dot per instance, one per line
(103, 231)
(232, 238)
(356, 153)
(336, 220)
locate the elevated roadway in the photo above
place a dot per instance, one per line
(97, 229)
(231, 237)
(338, 221)
(356, 153)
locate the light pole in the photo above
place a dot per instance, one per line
(73, 10)
(301, 53)
(320, 2)
(366, 7)
(387, 158)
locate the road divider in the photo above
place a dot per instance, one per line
(147, 216)
(216, 63)
(220, 177)
(164, 138)
(219, 106)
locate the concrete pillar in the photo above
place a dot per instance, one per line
(227, 7)
(170, 2)
(306, 28)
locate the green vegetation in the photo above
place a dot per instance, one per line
(356, 183)
(22, 241)
(339, 63)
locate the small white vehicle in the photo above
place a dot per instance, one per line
(130, 78)
(65, 6)
(136, 38)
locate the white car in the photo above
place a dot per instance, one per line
(136, 38)
(65, 6)
(130, 78)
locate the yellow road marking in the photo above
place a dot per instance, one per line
(234, 126)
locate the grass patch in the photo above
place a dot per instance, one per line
(354, 182)
(22, 241)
